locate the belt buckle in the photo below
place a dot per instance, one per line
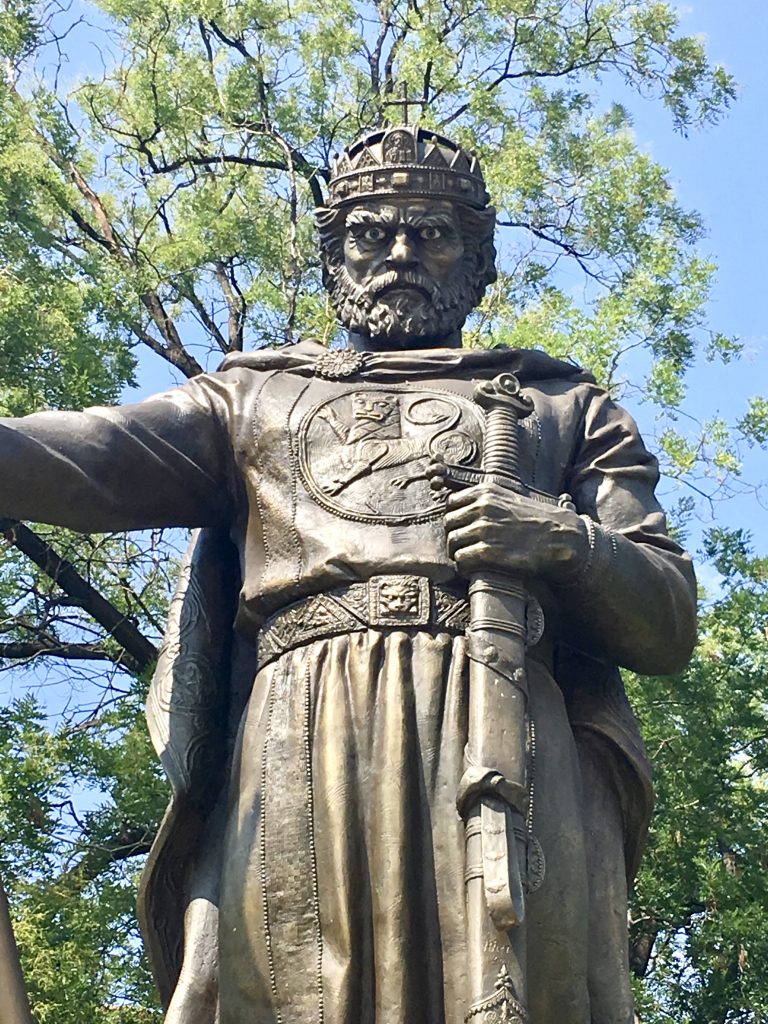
(398, 600)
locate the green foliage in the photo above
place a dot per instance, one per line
(754, 424)
(80, 795)
(208, 112)
(72, 886)
(703, 890)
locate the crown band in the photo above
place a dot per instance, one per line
(406, 161)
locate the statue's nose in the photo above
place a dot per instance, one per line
(402, 253)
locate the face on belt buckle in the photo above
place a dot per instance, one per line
(398, 600)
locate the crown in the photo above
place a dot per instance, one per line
(406, 160)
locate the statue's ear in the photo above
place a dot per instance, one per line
(330, 227)
(487, 264)
(326, 273)
(483, 265)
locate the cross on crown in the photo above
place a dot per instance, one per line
(403, 102)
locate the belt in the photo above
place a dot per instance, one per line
(390, 601)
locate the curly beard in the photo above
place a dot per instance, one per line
(402, 305)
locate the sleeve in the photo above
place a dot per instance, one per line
(634, 601)
(167, 461)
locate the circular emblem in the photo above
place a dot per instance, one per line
(454, 446)
(364, 453)
(338, 363)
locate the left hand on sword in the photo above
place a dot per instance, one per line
(490, 527)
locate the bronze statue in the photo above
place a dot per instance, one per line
(407, 787)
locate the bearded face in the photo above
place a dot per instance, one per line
(402, 306)
(401, 271)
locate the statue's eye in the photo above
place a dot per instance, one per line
(374, 234)
(430, 233)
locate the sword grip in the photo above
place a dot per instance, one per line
(501, 453)
(504, 406)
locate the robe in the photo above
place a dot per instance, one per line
(311, 864)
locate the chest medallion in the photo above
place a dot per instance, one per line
(363, 453)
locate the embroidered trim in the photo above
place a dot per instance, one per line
(293, 460)
(259, 477)
(312, 842)
(597, 571)
(263, 842)
(501, 1007)
(290, 864)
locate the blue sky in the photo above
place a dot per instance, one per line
(721, 172)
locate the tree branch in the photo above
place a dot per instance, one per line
(107, 238)
(173, 350)
(132, 841)
(217, 158)
(21, 651)
(311, 174)
(206, 319)
(567, 247)
(235, 304)
(141, 652)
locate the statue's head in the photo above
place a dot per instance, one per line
(407, 237)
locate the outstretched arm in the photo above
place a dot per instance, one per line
(163, 462)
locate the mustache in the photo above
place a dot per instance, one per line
(393, 279)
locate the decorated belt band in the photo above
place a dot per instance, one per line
(396, 601)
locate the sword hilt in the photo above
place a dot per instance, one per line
(505, 405)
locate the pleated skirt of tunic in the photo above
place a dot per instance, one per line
(343, 874)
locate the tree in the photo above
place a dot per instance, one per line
(158, 205)
(700, 912)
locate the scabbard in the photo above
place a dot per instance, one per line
(493, 795)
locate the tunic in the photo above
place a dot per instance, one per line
(314, 851)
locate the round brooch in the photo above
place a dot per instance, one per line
(339, 363)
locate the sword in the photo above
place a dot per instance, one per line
(14, 1004)
(493, 793)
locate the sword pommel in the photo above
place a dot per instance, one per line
(504, 391)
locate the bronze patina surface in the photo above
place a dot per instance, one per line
(408, 787)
